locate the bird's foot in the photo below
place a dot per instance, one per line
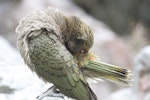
(51, 92)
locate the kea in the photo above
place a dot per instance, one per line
(56, 47)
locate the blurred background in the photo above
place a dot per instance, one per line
(121, 32)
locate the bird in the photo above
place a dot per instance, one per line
(57, 46)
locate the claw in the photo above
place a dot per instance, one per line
(51, 92)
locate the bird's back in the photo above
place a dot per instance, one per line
(54, 63)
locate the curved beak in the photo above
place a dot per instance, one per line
(81, 54)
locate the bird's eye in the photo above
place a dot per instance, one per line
(85, 44)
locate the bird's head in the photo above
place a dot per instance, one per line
(79, 38)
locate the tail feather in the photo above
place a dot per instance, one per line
(108, 72)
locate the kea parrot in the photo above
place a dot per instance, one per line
(56, 47)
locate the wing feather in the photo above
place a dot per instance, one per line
(54, 63)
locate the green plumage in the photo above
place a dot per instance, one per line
(53, 62)
(107, 72)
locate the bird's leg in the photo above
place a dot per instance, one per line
(51, 92)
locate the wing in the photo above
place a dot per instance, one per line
(54, 63)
